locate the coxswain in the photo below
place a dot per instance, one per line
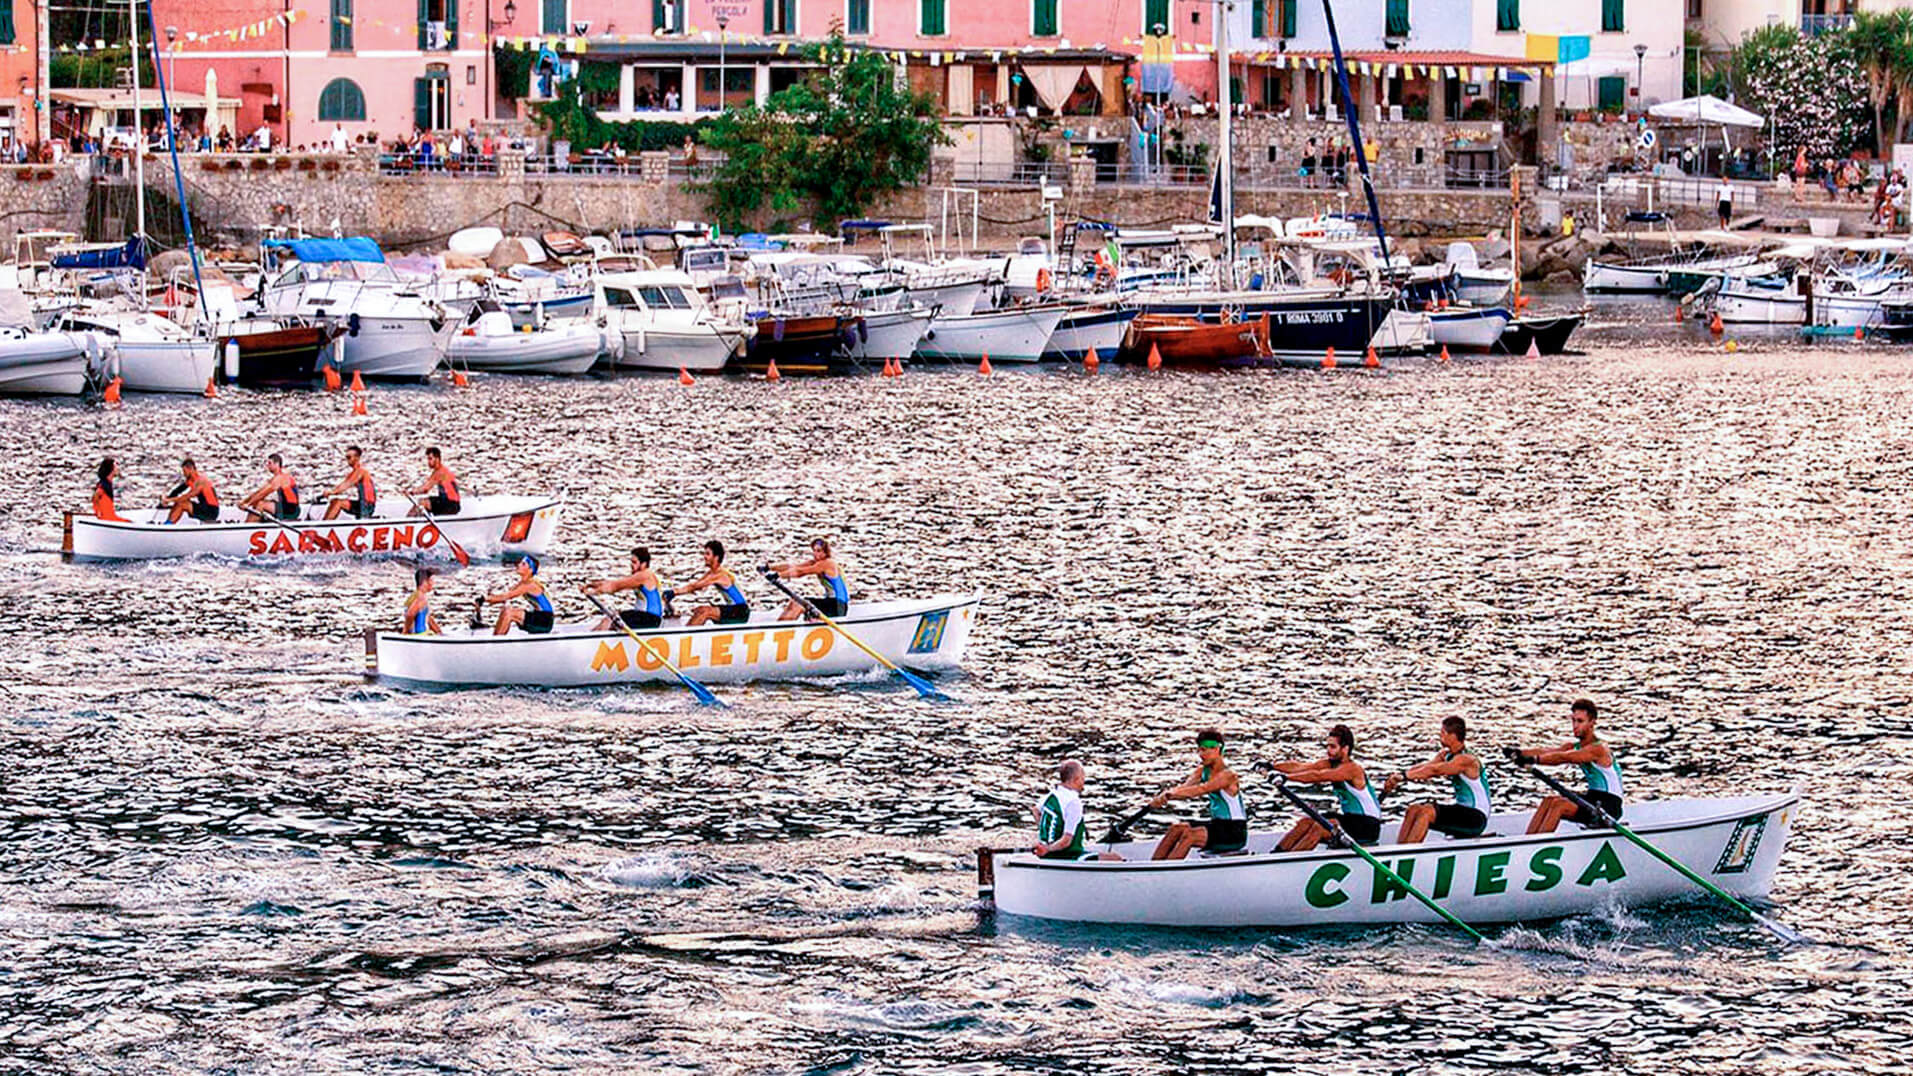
(440, 488)
(1468, 815)
(1226, 825)
(418, 608)
(822, 564)
(537, 618)
(109, 472)
(1597, 765)
(280, 488)
(1361, 813)
(733, 609)
(649, 610)
(1060, 833)
(355, 493)
(193, 496)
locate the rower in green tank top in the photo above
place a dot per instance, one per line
(1360, 815)
(1225, 826)
(1597, 765)
(1468, 815)
(1060, 832)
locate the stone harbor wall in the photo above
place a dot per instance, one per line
(42, 197)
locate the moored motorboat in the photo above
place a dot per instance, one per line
(493, 344)
(924, 634)
(1185, 341)
(667, 325)
(151, 353)
(1090, 328)
(1016, 334)
(52, 363)
(484, 526)
(890, 334)
(1503, 876)
(1548, 333)
(1468, 328)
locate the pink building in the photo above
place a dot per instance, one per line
(302, 67)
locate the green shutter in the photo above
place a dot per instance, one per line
(1507, 15)
(552, 17)
(859, 16)
(1259, 18)
(7, 32)
(1043, 21)
(1613, 91)
(1397, 18)
(422, 103)
(1156, 13)
(933, 18)
(770, 16)
(421, 23)
(1288, 17)
(341, 25)
(451, 24)
(1613, 16)
(657, 15)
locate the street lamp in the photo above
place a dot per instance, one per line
(722, 22)
(1640, 55)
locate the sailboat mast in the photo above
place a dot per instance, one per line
(179, 181)
(139, 130)
(1225, 156)
(1355, 129)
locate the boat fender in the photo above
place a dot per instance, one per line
(1042, 279)
(777, 330)
(352, 325)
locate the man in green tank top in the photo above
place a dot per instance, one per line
(1059, 817)
(1597, 765)
(1468, 815)
(1360, 814)
(1226, 825)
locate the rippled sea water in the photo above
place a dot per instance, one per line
(222, 850)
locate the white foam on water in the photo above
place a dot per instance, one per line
(652, 870)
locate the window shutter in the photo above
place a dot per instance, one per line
(1397, 18)
(1508, 15)
(1043, 24)
(1156, 13)
(422, 43)
(1288, 17)
(422, 103)
(451, 24)
(1613, 16)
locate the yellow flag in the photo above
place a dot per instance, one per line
(1543, 46)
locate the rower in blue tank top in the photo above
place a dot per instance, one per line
(1360, 815)
(418, 608)
(1468, 815)
(649, 610)
(822, 563)
(1597, 764)
(733, 608)
(1225, 826)
(536, 620)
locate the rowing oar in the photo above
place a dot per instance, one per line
(458, 551)
(703, 693)
(1121, 829)
(1600, 818)
(924, 687)
(1335, 834)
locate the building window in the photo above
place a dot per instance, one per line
(1613, 16)
(667, 16)
(341, 100)
(1155, 16)
(1288, 16)
(1694, 9)
(1612, 90)
(1043, 18)
(553, 16)
(1507, 15)
(437, 24)
(1397, 18)
(341, 25)
(7, 32)
(933, 18)
(856, 16)
(780, 16)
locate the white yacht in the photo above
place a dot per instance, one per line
(667, 324)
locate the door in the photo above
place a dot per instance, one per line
(432, 99)
(1613, 92)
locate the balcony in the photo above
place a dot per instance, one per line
(1815, 25)
(435, 36)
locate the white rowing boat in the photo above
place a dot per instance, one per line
(926, 634)
(484, 527)
(1503, 877)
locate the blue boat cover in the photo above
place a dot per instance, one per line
(355, 249)
(130, 256)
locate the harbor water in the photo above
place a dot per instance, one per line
(222, 850)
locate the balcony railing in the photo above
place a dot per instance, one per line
(1815, 25)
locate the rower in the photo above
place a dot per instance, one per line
(103, 492)
(418, 609)
(440, 488)
(1597, 765)
(734, 609)
(1225, 827)
(1361, 814)
(355, 492)
(823, 565)
(1468, 815)
(280, 487)
(1059, 818)
(649, 611)
(537, 619)
(194, 495)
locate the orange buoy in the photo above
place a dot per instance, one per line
(984, 366)
(1859, 332)
(1444, 352)
(1716, 326)
(459, 379)
(1521, 302)
(112, 395)
(1370, 360)
(1091, 363)
(358, 383)
(1155, 357)
(771, 374)
(332, 382)
(1328, 359)
(685, 378)
(1534, 349)
(358, 404)
(212, 388)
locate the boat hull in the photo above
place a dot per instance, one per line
(48, 364)
(1179, 341)
(705, 349)
(1096, 330)
(1734, 843)
(184, 366)
(893, 334)
(1479, 287)
(1549, 335)
(563, 348)
(286, 357)
(389, 348)
(1468, 330)
(1303, 326)
(486, 527)
(1003, 335)
(929, 634)
(1760, 307)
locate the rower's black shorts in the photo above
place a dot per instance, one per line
(538, 621)
(1224, 834)
(286, 510)
(1458, 821)
(733, 614)
(442, 505)
(1606, 801)
(206, 513)
(1361, 828)
(364, 509)
(831, 606)
(638, 618)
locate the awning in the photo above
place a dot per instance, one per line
(1706, 109)
(354, 249)
(118, 99)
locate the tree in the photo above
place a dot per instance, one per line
(1813, 89)
(835, 142)
(1876, 39)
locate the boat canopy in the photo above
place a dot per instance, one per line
(354, 249)
(130, 255)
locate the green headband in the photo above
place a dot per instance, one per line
(1209, 743)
